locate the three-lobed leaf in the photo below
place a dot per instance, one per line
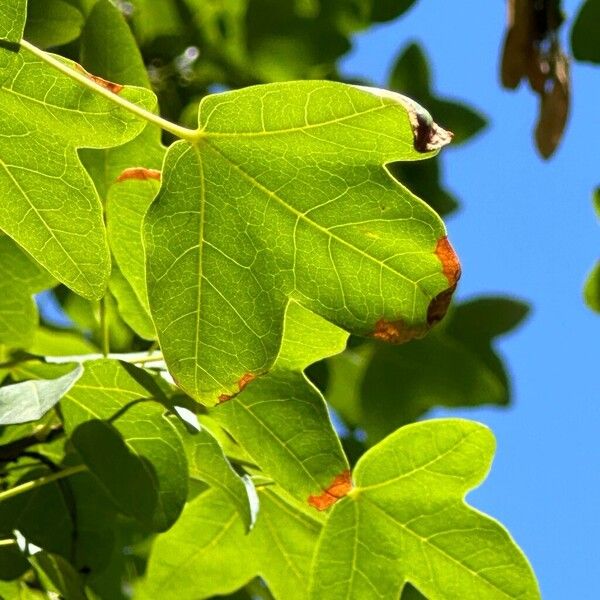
(282, 195)
(406, 521)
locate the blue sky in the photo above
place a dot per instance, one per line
(527, 229)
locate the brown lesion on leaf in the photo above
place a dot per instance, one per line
(449, 259)
(243, 381)
(115, 88)
(438, 307)
(451, 269)
(397, 331)
(428, 135)
(139, 173)
(338, 488)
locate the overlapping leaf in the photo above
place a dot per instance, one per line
(281, 421)
(12, 23)
(207, 462)
(49, 204)
(20, 278)
(142, 465)
(282, 194)
(108, 49)
(378, 388)
(406, 521)
(208, 552)
(52, 23)
(31, 400)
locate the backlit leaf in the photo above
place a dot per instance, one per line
(46, 116)
(291, 201)
(12, 23)
(52, 23)
(281, 421)
(20, 278)
(208, 551)
(406, 520)
(124, 396)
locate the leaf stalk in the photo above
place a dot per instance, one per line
(191, 135)
(36, 483)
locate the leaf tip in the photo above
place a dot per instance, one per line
(428, 135)
(339, 487)
(139, 173)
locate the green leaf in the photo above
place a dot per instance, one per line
(12, 20)
(108, 49)
(208, 463)
(406, 520)
(423, 179)
(12, 562)
(291, 201)
(20, 278)
(29, 513)
(96, 523)
(208, 552)
(591, 291)
(47, 114)
(58, 342)
(288, 45)
(378, 388)
(30, 400)
(586, 31)
(128, 201)
(411, 76)
(146, 441)
(59, 575)
(133, 312)
(281, 421)
(125, 476)
(12, 23)
(52, 23)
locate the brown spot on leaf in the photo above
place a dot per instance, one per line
(115, 88)
(428, 135)
(140, 173)
(338, 488)
(397, 332)
(244, 380)
(438, 307)
(449, 259)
